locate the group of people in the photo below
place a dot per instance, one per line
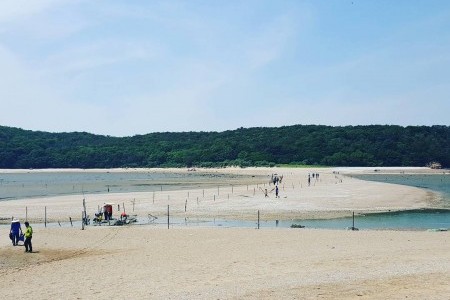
(314, 175)
(275, 180)
(16, 235)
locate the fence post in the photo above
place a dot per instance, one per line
(84, 218)
(353, 224)
(258, 219)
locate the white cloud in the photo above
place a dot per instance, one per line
(12, 10)
(120, 69)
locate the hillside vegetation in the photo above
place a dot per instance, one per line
(378, 145)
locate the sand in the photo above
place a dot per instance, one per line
(333, 195)
(153, 262)
(208, 263)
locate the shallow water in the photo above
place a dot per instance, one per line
(33, 184)
(402, 220)
(439, 183)
(41, 184)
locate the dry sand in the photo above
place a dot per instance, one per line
(148, 262)
(143, 262)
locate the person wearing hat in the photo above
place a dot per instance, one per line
(15, 231)
(28, 236)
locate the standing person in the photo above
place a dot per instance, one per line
(28, 236)
(276, 192)
(15, 231)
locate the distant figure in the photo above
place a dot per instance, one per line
(276, 192)
(107, 211)
(15, 231)
(309, 179)
(266, 192)
(28, 236)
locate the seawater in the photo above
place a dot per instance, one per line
(36, 184)
(419, 219)
(409, 219)
(42, 184)
(439, 183)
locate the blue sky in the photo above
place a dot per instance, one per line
(122, 68)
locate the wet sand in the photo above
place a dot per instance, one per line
(332, 195)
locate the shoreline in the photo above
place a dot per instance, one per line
(336, 194)
(154, 262)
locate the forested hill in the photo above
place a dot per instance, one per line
(300, 144)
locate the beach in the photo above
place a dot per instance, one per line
(331, 195)
(153, 262)
(204, 263)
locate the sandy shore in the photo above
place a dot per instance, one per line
(143, 262)
(151, 262)
(332, 195)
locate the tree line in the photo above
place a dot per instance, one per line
(375, 145)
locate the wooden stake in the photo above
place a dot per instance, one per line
(258, 219)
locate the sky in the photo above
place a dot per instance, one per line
(123, 68)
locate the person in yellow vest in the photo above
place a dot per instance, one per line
(28, 236)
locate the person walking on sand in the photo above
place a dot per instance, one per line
(15, 231)
(28, 236)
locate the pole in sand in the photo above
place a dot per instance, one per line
(168, 217)
(258, 219)
(45, 216)
(84, 219)
(353, 225)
